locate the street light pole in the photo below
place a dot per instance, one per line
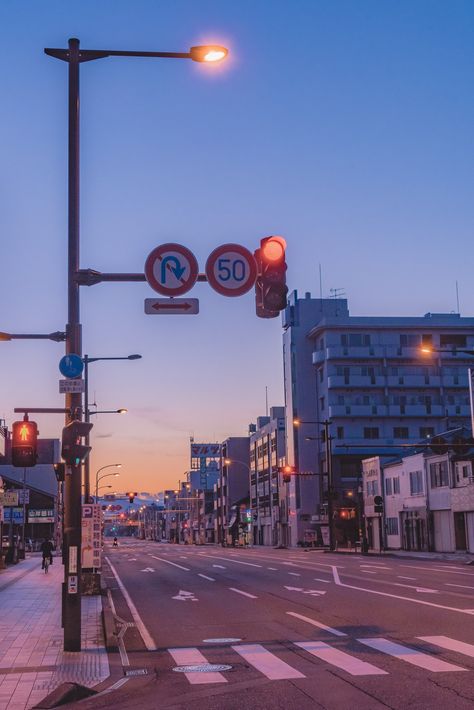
(97, 479)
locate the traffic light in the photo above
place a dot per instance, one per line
(131, 497)
(72, 451)
(378, 504)
(24, 443)
(270, 287)
(59, 471)
(287, 472)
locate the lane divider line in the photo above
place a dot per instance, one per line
(329, 629)
(204, 576)
(143, 631)
(245, 594)
(168, 562)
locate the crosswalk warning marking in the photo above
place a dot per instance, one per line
(410, 655)
(266, 662)
(450, 644)
(193, 656)
(340, 659)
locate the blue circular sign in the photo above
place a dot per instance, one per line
(71, 365)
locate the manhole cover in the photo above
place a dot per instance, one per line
(202, 668)
(136, 671)
(228, 640)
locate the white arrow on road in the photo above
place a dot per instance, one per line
(312, 592)
(219, 566)
(184, 596)
(147, 569)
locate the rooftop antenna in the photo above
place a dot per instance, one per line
(337, 292)
(320, 284)
(266, 401)
(457, 296)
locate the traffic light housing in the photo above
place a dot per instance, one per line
(287, 472)
(24, 444)
(72, 451)
(59, 471)
(378, 504)
(270, 286)
(131, 497)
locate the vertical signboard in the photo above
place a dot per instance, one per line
(91, 546)
(471, 397)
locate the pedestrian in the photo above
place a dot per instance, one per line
(47, 551)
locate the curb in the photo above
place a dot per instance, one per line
(63, 694)
(394, 556)
(108, 621)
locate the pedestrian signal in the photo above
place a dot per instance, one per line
(73, 452)
(24, 444)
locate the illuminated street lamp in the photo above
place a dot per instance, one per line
(99, 478)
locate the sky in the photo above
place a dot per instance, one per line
(345, 126)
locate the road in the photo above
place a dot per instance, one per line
(297, 629)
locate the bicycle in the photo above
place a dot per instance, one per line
(46, 564)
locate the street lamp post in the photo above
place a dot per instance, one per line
(99, 478)
(328, 446)
(74, 56)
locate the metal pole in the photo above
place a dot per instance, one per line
(330, 491)
(87, 464)
(72, 486)
(24, 511)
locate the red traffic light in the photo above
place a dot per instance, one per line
(24, 443)
(270, 286)
(273, 249)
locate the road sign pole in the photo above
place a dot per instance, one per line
(72, 485)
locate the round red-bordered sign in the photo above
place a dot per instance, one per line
(231, 270)
(171, 269)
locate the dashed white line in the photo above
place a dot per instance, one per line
(316, 623)
(400, 576)
(168, 562)
(204, 576)
(245, 594)
(295, 574)
(463, 586)
(326, 581)
(274, 569)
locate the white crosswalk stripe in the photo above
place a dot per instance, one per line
(266, 662)
(410, 655)
(340, 659)
(193, 656)
(467, 649)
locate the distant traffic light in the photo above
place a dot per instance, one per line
(131, 497)
(270, 287)
(378, 504)
(72, 451)
(287, 472)
(59, 471)
(24, 443)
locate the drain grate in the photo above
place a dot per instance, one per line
(202, 668)
(227, 640)
(136, 671)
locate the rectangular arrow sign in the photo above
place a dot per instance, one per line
(171, 306)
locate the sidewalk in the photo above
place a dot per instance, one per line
(460, 557)
(32, 662)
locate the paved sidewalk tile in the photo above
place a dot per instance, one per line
(32, 662)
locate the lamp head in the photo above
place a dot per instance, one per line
(208, 53)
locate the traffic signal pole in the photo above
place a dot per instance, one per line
(71, 618)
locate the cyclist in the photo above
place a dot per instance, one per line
(115, 542)
(47, 551)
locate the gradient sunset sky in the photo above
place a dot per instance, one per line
(345, 126)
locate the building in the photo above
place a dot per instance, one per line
(369, 378)
(268, 492)
(232, 489)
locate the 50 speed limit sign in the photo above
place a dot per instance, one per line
(231, 270)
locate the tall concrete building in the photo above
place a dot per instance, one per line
(369, 378)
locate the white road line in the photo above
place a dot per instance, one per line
(410, 655)
(440, 569)
(266, 662)
(295, 574)
(400, 576)
(451, 644)
(204, 576)
(220, 566)
(463, 586)
(337, 658)
(238, 562)
(316, 623)
(246, 594)
(326, 581)
(192, 656)
(144, 633)
(397, 596)
(168, 562)
(368, 571)
(274, 569)
(375, 565)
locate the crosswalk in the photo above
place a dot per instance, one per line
(269, 664)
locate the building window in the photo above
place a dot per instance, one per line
(388, 486)
(340, 432)
(321, 374)
(371, 432)
(400, 432)
(453, 340)
(321, 402)
(439, 474)
(416, 482)
(372, 488)
(396, 485)
(392, 526)
(411, 340)
(426, 432)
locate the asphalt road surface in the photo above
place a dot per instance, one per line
(290, 628)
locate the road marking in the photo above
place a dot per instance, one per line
(368, 571)
(410, 655)
(184, 596)
(439, 569)
(192, 656)
(238, 562)
(326, 581)
(246, 594)
(400, 576)
(220, 566)
(311, 592)
(274, 569)
(147, 569)
(295, 574)
(168, 562)
(450, 644)
(341, 660)
(144, 633)
(463, 586)
(266, 662)
(316, 623)
(397, 596)
(377, 566)
(204, 576)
